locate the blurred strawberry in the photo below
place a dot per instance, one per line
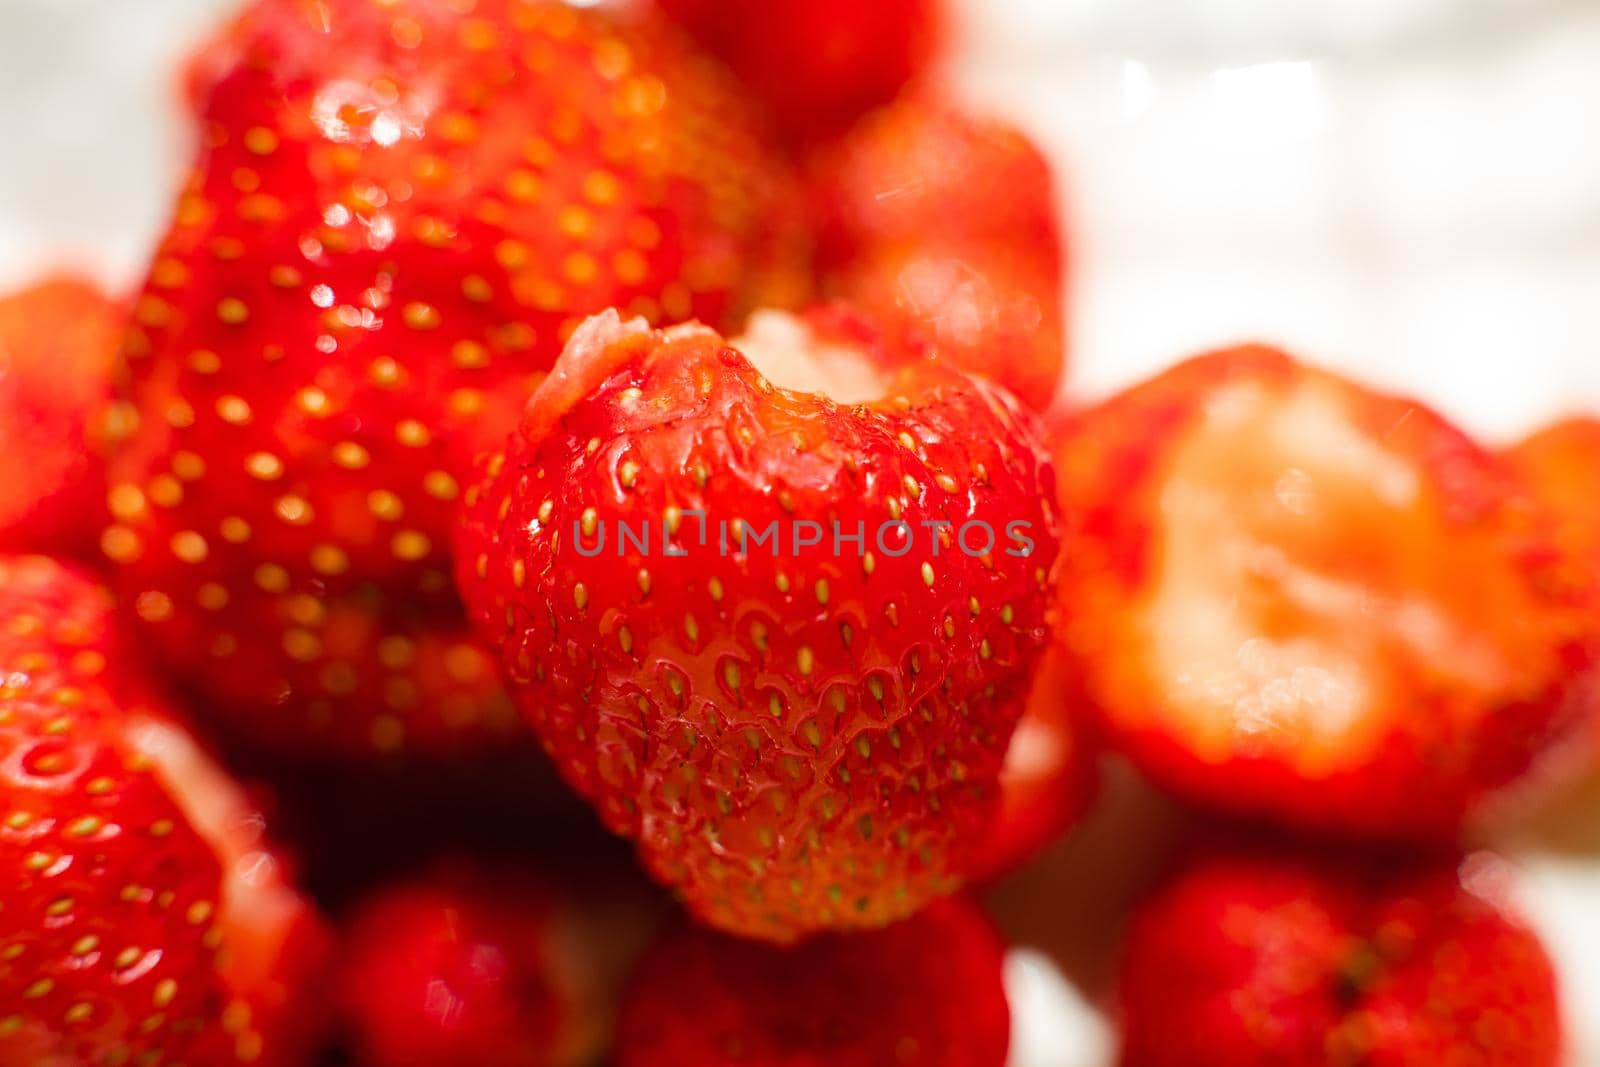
(1259, 960)
(58, 346)
(817, 64)
(799, 709)
(142, 919)
(489, 967)
(398, 212)
(946, 224)
(1049, 775)
(1292, 597)
(927, 991)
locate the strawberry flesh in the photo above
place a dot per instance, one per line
(1291, 597)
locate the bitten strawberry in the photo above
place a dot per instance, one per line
(925, 992)
(1253, 959)
(946, 224)
(58, 346)
(817, 64)
(779, 637)
(398, 212)
(488, 967)
(1293, 597)
(1049, 776)
(141, 917)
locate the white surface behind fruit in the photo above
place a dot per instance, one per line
(1408, 190)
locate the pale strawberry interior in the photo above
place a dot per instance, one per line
(258, 909)
(790, 355)
(1300, 565)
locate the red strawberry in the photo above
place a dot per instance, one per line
(1049, 776)
(801, 732)
(58, 345)
(817, 64)
(1257, 960)
(488, 967)
(947, 224)
(1561, 466)
(1292, 597)
(141, 918)
(399, 211)
(927, 991)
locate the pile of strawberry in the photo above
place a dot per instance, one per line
(523, 395)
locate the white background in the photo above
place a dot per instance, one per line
(1405, 189)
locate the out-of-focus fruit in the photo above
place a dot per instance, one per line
(58, 347)
(487, 966)
(1260, 960)
(142, 918)
(927, 991)
(398, 212)
(1049, 776)
(798, 709)
(1561, 467)
(1292, 597)
(817, 64)
(946, 225)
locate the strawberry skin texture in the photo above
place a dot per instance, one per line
(140, 919)
(796, 741)
(946, 224)
(927, 991)
(58, 349)
(397, 212)
(1251, 959)
(818, 65)
(489, 966)
(1291, 597)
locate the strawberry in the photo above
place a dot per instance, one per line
(946, 224)
(142, 918)
(927, 991)
(302, 675)
(58, 345)
(398, 211)
(1561, 465)
(1049, 776)
(818, 65)
(1292, 597)
(486, 966)
(1251, 959)
(801, 732)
